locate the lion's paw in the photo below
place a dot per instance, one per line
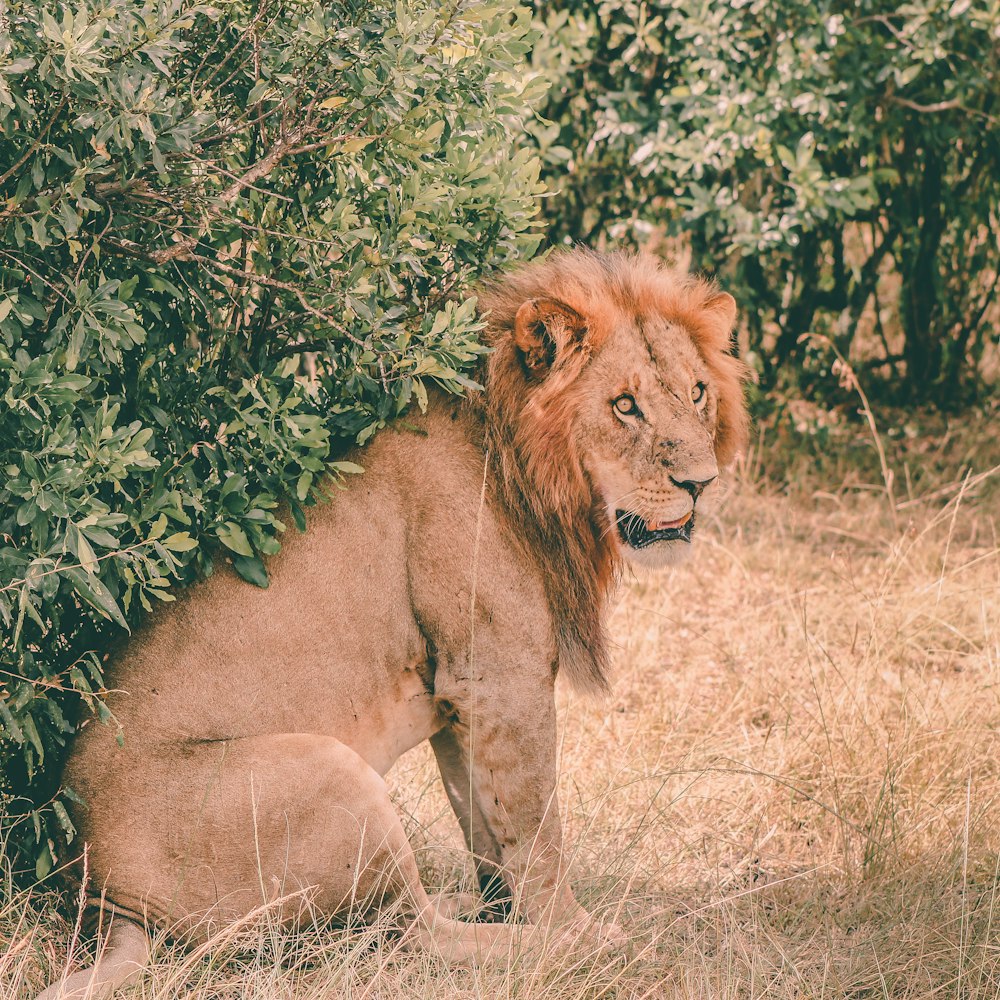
(603, 936)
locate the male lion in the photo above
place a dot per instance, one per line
(436, 598)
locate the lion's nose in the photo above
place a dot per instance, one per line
(694, 486)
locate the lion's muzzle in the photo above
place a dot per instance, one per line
(637, 533)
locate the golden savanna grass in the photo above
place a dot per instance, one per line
(793, 791)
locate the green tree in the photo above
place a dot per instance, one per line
(838, 163)
(198, 203)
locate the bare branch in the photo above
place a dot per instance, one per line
(932, 109)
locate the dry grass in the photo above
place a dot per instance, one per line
(794, 790)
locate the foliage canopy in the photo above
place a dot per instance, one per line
(838, 163)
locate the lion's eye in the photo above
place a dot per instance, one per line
(698, 393)
(626, 407)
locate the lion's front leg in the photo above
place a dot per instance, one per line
(505, 735)
(478, 837)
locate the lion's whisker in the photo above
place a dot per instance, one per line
(615, 520)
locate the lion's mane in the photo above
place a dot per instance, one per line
(538, 476)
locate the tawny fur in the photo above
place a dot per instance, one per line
(258, 723)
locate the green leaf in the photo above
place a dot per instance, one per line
(303, 485)
(14, 731)
(85, 553)
(64, 821)
(180, 541)
(252, 569)
(99, 536)
(31, 730)
(97, 595)
(43, 862)
(233, 537)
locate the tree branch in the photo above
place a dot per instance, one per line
(183, 248)
(932, 109)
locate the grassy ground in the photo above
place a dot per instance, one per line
(794, 790)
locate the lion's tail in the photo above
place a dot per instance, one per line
(122, 959)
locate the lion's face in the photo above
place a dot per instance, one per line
(645, 429)
(623, 393)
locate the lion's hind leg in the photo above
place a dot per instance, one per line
(122, 959)
(294, 825)
(324, 817)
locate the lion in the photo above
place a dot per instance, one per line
(436, 598)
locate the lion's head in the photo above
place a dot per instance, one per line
(625, 400)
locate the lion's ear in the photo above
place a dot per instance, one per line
(724, 306)
(543, 329)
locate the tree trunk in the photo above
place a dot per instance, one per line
(922, 349)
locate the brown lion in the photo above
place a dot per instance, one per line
(435, 599)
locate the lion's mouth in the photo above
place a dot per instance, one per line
(637, 534)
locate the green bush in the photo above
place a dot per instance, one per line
(197, 201)
(838, 163)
